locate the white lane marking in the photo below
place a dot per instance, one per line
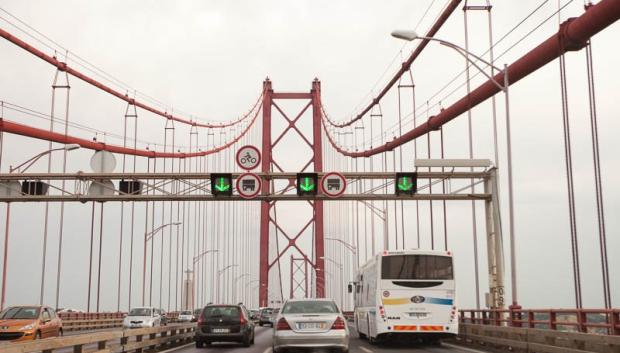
(366, 350)
(268, 350)
(455, 346)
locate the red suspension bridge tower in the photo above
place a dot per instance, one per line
(269, 221)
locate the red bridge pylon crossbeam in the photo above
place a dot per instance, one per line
(269, 164)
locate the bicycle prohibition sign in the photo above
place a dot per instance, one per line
(248, 157)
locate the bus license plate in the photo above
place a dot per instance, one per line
(418, 315)
(311, 325)
(220, 330)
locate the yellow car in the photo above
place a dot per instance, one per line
(23, 323)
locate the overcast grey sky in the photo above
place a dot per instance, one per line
(209, 58)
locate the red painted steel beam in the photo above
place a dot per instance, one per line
(572, 35)
(267, 157)
(73, 72)
(317, 145)
(29, 131)
(441, 20)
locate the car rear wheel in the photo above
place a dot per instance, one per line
(199, 344)
(60, 333)
(246, 340)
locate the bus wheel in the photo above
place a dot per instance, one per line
(359, 333)
(372, 340)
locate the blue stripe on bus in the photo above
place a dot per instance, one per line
(440, 301)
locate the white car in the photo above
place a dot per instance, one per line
(143, 317)
(185, 316)
(310, 323)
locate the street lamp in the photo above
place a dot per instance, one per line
(235, 284)
(152, 233)
(33, 160)
(219, 273)
(339, 265)
(195, 261)
(412, 35)
(348, 246)
(149, 236)
(28, 163)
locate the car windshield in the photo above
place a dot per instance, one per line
(20, 312)
(417, 267)
(185, 313)
(221, 312)
(310, 307)
(140, 312)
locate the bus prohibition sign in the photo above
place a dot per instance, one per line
(248, 185)
(248, 157)
(333, 184)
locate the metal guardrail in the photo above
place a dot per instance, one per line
(599, 321)
(97, 321)
(130, 340)
(521, 339)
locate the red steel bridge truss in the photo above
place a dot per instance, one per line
(176, 185)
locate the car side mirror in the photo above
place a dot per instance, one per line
(350, 288)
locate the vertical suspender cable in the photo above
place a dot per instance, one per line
(133, 213)
(597, 178)
(122, 220)
(430, 181)
(570, 187)
(471, 154)
(568, 159)
(100, 253)
(90, 256)
(62, 204)
(415, 156)
(443, 189)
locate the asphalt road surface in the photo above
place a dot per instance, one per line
(263, 345)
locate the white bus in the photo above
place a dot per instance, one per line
(406, 295)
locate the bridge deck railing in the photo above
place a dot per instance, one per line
(600, 321)
(130, 340)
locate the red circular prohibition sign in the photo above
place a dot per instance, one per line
(327, 192)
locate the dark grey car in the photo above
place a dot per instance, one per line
(224, 323)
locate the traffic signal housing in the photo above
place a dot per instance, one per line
(221, 184)
(307, 184)
(406, 183)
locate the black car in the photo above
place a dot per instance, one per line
(264, 318)
(224, 323)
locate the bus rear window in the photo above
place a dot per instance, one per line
(420, 267)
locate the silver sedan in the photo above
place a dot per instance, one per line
(310, 323)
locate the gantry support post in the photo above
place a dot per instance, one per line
(494, 243)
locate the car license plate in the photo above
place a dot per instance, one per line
(418, 315)
(311, 325)
(220, 330)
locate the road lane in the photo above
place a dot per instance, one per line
(263, 345)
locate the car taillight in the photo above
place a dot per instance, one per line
(339, 324)
(241, 319)
(201, 320)
(282, 325)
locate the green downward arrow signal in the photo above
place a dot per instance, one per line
(307, 185)
(222, 185)
(405, 184)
